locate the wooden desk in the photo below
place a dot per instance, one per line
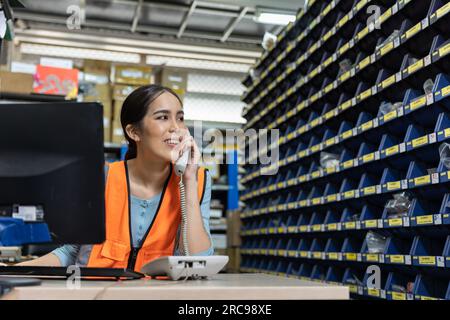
(219, 287)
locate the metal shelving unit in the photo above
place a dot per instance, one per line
(310, 221)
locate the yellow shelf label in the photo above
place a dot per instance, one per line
(315, 174)
(333, 256)
(353, 288)
(350, 225)
(397, 258)
(369, 157)
(366, 126)
(445, 91)
(326, 10)
(372, 257)
(444, 50)
(412, 31)
(346, 105)
(343, 21)
(364, 63)
(351, 256)
(387, 48)
(347, 134)
(316, 201)
(442, 11)
(386, 15)
(349, 194)
(332, 197)
(314, 73)
(371, 223)
(303, 228)
(316, 227)
(424, 219)
(315, 122)
(420, 102)
(420, 141)
(427, 260)
(302, 153)
(317, 255)
(348, 164)
(365, 94)
(386, 83)
(328, 61)
(332, 226)
(370, 190)
(389, 116)
(329, 142)
(398, 296)
(373, 292)
(422, 180)
(392, 150)
(331, 170)
(361, 4)
(329, 115)
(395, 222)
(363, 33)
(345, 76)
(303, 254)
(416, 66)
(315, 148)
(427, 298)
(303, 178)
(344, 48)
(328, 88)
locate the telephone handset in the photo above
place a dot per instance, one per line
(177, 267)
(181, 163)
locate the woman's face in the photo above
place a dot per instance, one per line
(162, 127)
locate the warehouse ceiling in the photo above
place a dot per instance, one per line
(221, 23)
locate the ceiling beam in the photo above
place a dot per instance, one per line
(201, 7)
(137, 15)
(46, 21)
(233, 24)
(186, 17)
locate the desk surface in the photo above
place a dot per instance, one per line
(219, 287)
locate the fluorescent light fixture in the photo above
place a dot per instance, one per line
(197, 64)
(79, 53)
(274, 17)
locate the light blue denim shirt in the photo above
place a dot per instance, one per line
(142, 214)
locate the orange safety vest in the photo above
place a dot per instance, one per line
(117, 251)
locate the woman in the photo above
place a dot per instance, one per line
(142, 196)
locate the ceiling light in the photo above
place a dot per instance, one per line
(277, 18)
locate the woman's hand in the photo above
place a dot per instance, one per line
(187, 142)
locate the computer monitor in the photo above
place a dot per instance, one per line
(52, 167)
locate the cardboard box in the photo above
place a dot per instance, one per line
(120, 91)
(97, 67)
(174, 79)
(12, 82)
(117, 136)
(234, 264)
(233, 229)
(134, 75)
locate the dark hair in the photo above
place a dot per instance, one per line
(135, 108)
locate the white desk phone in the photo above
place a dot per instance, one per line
(187, 266)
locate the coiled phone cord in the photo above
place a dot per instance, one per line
(184, 219)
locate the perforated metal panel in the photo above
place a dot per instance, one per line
(211, 107)
(216, 84)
